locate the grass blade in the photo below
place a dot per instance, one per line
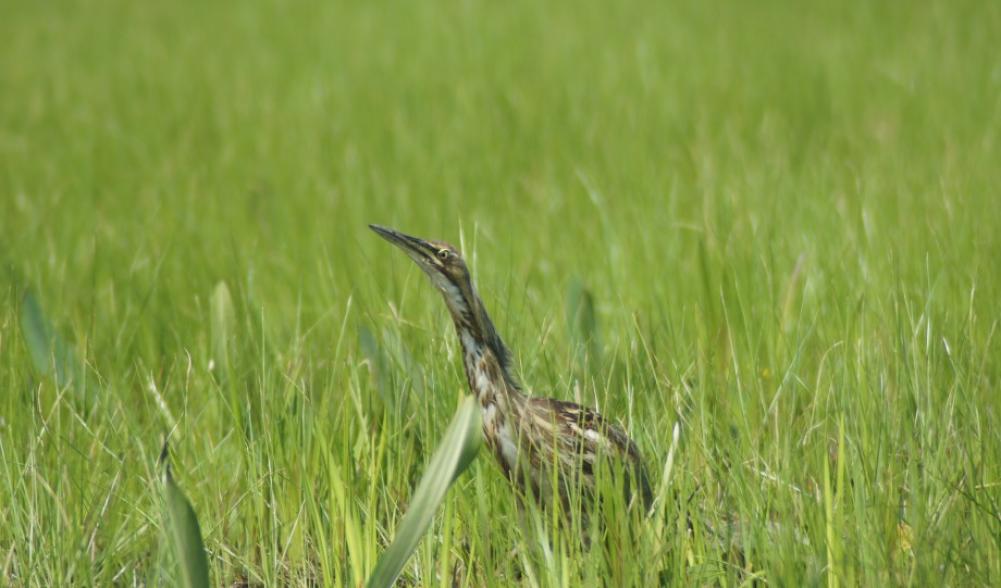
(49, 352)
(223, 319)
(184, 535)
(377, 364)
(582, 321)
(456, 451)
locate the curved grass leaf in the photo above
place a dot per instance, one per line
(454, 454)
(223, 319)
(49, 352)
(582, 321)
(184, 536)
(377, 364)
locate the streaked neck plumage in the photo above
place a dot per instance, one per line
(487, 362)
(486, 359)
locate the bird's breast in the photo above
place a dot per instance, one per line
(500, 436)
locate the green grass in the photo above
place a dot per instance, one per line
(787, 218)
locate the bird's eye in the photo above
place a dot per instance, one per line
(443, 254)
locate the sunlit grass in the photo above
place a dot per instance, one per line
(773, 224)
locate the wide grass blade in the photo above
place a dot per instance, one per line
(456, 451)
(184, 535)
(50, 353)
(377, 364)
(582, 321)
(223, 319)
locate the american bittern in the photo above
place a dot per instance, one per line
(532, 438)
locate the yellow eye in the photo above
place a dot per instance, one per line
(443, 254)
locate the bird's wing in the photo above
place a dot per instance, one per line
(581, 437)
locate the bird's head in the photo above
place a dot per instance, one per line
(449, 274)
(440, 261)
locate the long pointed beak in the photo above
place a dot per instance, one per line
(417, 248)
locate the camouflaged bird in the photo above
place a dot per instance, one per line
(528, 436)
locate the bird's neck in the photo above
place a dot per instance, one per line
(485, 357)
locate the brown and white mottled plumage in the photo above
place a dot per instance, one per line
(531, 437)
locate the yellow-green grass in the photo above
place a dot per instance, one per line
(786, 217)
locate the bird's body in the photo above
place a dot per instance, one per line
(532, 438)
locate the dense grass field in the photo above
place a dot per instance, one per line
(787, 216)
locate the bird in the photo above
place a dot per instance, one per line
(531, 437)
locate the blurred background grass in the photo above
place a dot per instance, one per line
(791, 207)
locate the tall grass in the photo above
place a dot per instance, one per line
(784, 218)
